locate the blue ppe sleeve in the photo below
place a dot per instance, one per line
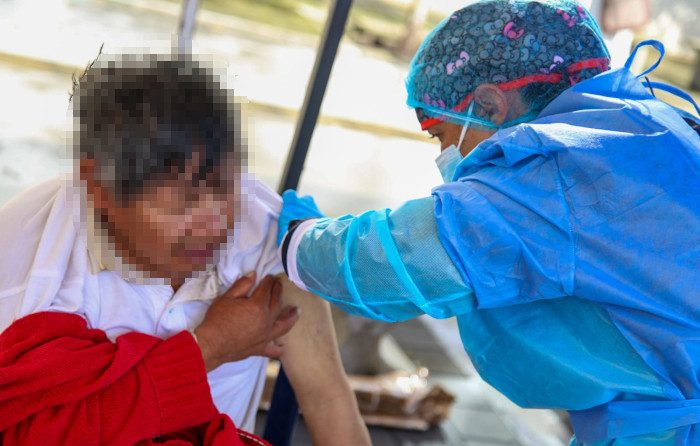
(386, 265)
(508, 229)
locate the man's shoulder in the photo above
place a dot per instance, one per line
(38, 238)
(36, 227)
(31, 201)
(33, 212)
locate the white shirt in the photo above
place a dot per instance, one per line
(45, 265)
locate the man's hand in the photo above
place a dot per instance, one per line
(236, 327)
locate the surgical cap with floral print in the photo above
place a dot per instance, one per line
(540, 47)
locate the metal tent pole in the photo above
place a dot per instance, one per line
(335, 26)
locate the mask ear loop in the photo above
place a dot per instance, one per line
(465, 126)
(461, 136)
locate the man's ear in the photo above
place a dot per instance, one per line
(97, 193)
(492, 101)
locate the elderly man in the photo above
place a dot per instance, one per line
(136, 298)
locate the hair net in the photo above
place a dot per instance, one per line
(541, 47)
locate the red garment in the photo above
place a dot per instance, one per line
(64, 384)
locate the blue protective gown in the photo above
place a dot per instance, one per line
(568, 248)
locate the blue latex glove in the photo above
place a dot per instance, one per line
(295, 208)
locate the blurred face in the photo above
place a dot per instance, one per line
(448, 133)
(175, 227)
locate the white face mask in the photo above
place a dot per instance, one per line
(448, 160)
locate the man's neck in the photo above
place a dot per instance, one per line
(176, 284)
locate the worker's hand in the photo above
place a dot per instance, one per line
(236, 327)
(295, 208)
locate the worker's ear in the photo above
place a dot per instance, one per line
(98, 194)
(491, 103)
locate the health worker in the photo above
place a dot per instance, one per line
(566, 239)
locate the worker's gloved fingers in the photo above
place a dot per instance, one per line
(295, 208)
(303, 207)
